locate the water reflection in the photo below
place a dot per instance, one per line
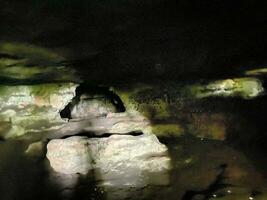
(202, 169)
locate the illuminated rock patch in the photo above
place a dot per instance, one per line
(118, 160)
(30, 108)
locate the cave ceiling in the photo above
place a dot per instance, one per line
(130, 40)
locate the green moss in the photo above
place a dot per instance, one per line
(45, 90)
(34, 63)
(38, 72)
(32, 53)
(172, 102)
(149, 101)
(5, 127)
(42, 90)
(167, 130)
(7, 62)
(259, 71)
(240, 87)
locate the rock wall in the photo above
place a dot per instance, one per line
(31, 108)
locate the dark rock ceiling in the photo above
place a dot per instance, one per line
(137, 40)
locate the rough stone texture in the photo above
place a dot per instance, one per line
(125, 160)
(69, 156)
(33, 108)
(114, 123)
(118, 160)
(93, 107)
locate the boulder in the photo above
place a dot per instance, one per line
(125, 160)
(69, 156)
(118, 160)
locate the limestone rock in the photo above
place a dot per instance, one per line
(69, 156)
(92, 107)
(118, 160)
(123, 160)
(33, 108)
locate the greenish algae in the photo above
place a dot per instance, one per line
(32, 53)
(34, 108)
(256, 72)
(246, 88)
(28, 62)
(167, 130)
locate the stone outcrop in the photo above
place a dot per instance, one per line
(33, 108)
(118, 160)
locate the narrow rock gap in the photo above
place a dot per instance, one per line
(105, 135)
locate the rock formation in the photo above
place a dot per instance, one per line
(118, 150)
(118, 160)
(33, 108)
(92, 106)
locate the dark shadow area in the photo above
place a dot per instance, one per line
(131, 41)
(212, 188)
(105, 135)
(23, 177)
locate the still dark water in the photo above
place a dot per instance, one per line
(234, 169)
(202, 169)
